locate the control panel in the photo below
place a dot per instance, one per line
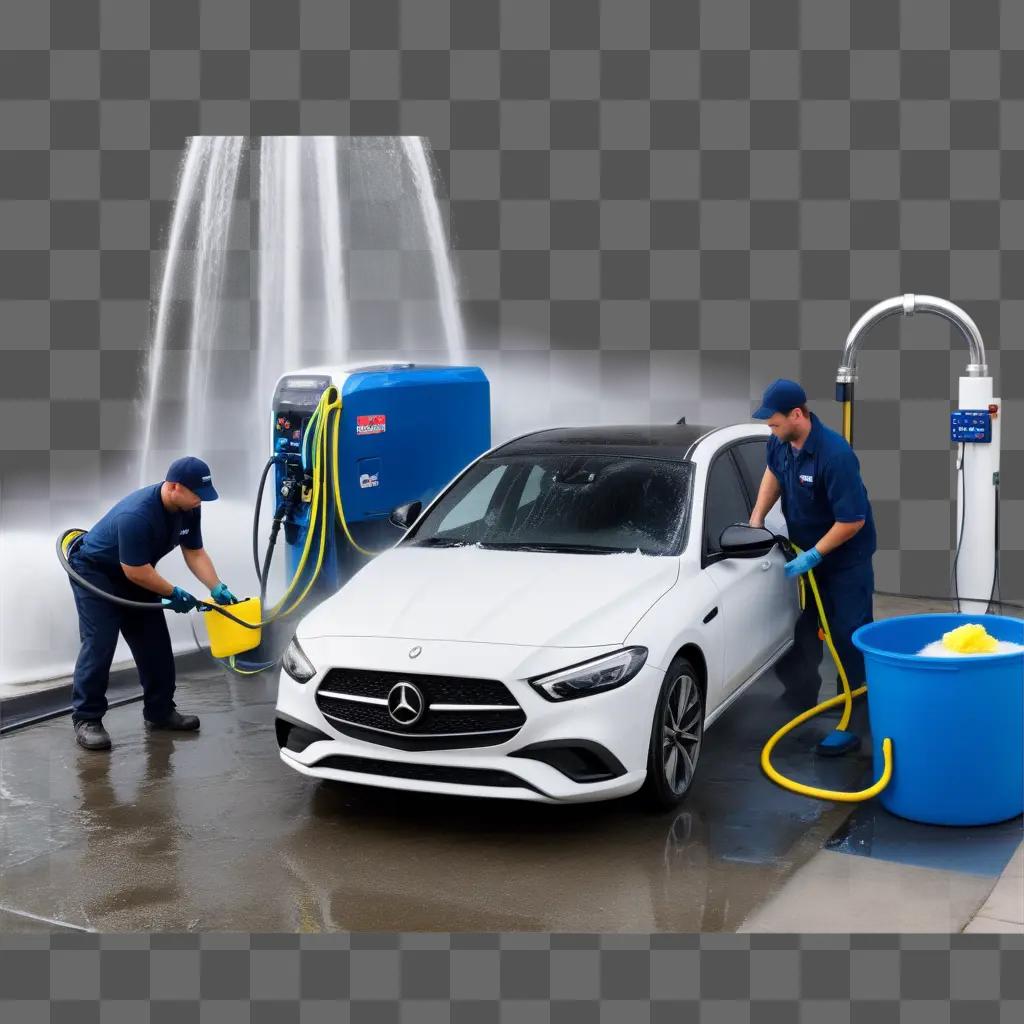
(288, 430)
(971, 425)
(295, 400)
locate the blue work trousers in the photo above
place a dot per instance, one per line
(847, 596)
(99, 622)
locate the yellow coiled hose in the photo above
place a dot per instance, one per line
(329, 401)
(845, 697)
(326, 424)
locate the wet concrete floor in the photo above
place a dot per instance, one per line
(209, 831)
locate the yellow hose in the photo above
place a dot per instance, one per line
(325, 444)
(319, 454)
(243, 671)
(69, 538)
(826, 635)
(846, 697)
(848, 421)
(328, 403)
(815, 791)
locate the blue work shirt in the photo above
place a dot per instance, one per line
(821, 485)
(138, 530)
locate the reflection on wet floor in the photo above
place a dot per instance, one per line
(210, 831)
(980, 850)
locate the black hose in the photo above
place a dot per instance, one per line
(149, 606)
(962, 474)
(275, 529)
(256, 515)
(995, 566)
(264, 572)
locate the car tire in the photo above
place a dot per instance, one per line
(678, 724)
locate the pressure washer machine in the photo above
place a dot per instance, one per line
(402, 431)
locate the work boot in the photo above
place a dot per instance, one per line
(89, 733)
(176, 722)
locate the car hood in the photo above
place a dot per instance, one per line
(535, 599)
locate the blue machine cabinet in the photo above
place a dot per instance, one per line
(406, 430)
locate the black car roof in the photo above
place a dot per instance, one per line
(659, 441)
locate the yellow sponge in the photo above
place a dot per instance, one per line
(970, 638)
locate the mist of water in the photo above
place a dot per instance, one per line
(188, 182)
(335, 217)
(444, 278)
(215, 212)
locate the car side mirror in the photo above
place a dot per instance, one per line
(405, 515)
(744, 541)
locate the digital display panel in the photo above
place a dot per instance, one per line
(973, 425)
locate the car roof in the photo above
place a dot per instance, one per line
(658, 441)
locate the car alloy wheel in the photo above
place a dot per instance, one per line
(677, 731)
(682, 731)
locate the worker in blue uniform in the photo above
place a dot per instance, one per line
(119, 555)
(828, 514)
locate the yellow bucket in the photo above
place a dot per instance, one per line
(227, 637)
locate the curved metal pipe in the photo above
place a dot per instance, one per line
(908, 305)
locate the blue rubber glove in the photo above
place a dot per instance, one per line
(222, 595)
(804, 561)
(180, 601)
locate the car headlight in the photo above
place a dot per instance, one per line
(296, 663)
(596, 676)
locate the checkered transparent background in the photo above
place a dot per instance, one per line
(528, 978)
(656, 208)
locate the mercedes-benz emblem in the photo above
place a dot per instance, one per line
(406, 704)
(416, 652)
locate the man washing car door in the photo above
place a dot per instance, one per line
(817, 474)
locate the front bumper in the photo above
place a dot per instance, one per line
(615, 725)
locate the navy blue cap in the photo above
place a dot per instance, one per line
(194, 474)
(780, 396)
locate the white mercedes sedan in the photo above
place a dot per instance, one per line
(562, 623)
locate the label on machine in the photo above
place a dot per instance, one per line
(369, 473)
(971, 425)
(375, 424)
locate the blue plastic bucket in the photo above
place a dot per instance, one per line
(956, 724)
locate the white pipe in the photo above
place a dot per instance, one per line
(908, 305)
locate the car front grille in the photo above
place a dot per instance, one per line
(457, 712)
(437, 689)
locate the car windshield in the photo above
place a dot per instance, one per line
(590, 504)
